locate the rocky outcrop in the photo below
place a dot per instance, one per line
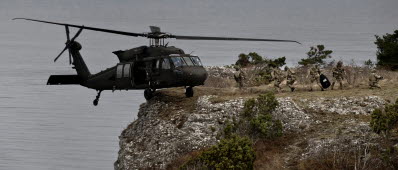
(164, 131)
(153, 141)
(345, 105)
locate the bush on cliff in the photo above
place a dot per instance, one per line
(383, 120)
(232, 153)
(258, 112)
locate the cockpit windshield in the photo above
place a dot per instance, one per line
(188, 61)
(178, 61)
(196, 61)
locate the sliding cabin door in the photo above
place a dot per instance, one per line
(124, 79)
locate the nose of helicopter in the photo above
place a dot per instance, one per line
(194, 75)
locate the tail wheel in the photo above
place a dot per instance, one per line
(189, 92)
(148, 94)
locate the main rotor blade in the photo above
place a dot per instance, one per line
(88, 28)
(181, 37)
(178, 37)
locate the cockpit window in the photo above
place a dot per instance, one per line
(178, 61)
(196, 61)
(188, 61)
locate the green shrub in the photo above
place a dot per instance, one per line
(316, 55)
(266, 103)
(263, 104)
(266, 127)
(384, 120)
(230, 129)
(258, 112)
(387, 50)
(232, 153)
(249, 109)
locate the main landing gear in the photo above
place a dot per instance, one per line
(95, 102)
(189, 91)
(148, 93)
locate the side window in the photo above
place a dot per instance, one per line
(157, 64)
(126, 70)
(165, 63)
(119, 71)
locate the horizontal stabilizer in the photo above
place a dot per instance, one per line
(63, 79)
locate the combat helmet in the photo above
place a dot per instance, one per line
(339, 64)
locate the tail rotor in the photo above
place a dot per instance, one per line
(68, 43)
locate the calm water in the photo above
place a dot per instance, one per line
(56, 127)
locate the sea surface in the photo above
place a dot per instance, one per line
(57, 127)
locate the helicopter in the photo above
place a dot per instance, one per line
(150, 67)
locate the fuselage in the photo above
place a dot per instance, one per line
(150, 67)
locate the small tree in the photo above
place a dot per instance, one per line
(387, 50)
(316, 55)
(256, 59)
(278, 62)
(243, 60)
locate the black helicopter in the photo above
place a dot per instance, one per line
(146, 67)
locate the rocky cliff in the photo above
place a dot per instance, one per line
(167, 129)
(321, 129)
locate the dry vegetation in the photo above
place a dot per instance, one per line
(355, 84)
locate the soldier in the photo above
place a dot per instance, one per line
(374, 79)
(313, 75)
(290, 78)
(277, 76)
(239, 77)
(338, 74)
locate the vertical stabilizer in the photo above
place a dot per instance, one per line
(78, 62)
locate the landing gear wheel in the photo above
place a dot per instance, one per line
(95, 102)
(148, 94)
(189, 92)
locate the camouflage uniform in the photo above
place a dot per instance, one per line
(290, 78)
(239, 77)
(314, 74)
(338, 74)
(277, 76)
(374, 79)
